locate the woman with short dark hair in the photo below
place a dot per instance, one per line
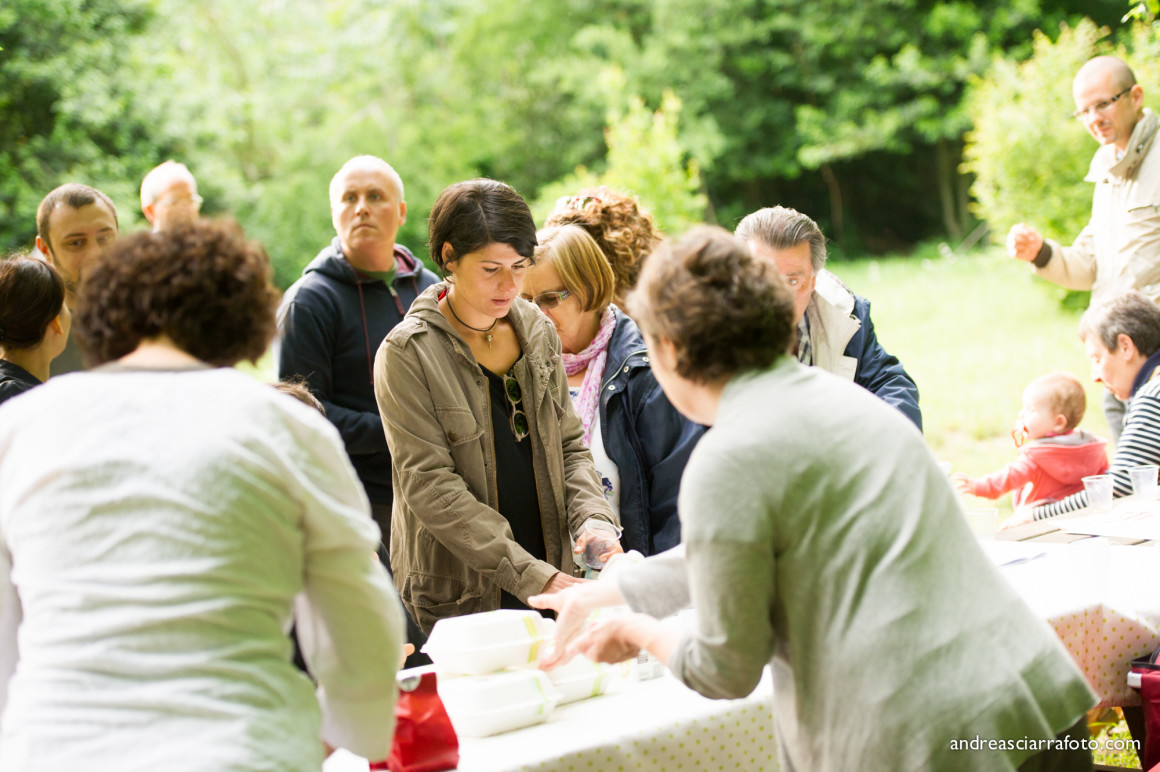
(34, 323)
(163, 517)
(820, 537)
(492, 480)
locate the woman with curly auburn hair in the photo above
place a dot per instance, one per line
(163, 518)
(625, 232)
(819, 537)
(34, 323)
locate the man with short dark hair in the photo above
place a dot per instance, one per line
(169, 196)
(834, 330)
(74, 224)
(333, 319)
(1119, 250)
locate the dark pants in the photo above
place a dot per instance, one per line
(1077, 758)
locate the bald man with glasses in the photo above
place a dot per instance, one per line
(1119, 250)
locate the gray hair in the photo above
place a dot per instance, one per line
(779, 227)
(1131, 314)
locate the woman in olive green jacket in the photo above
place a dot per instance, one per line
(492, 480)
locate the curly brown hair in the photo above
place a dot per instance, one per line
(725, 311)
(626, 233)
(203, 285)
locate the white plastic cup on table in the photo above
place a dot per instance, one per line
(1099, 491)
(1144, 481)
(983, 522)
(603, 536)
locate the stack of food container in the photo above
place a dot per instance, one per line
(488, 672)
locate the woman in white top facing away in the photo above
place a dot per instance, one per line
(162, 519)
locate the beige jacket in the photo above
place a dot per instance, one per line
(451, 550)
(1119, 249)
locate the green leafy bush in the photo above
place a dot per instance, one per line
(645, 158)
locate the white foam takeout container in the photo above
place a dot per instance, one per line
(477, 644)
(581, 678)
(480, 706)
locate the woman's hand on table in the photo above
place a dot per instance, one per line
(572, 605)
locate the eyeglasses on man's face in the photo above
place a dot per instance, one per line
(547, 300)
(518, 418)
(1099, 108)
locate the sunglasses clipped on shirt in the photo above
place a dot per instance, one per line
(518, 418)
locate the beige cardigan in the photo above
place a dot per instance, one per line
(451, 550)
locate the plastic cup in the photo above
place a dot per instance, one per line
(1144, 481)
(983, 522)
(1099, 491)
(602, 537)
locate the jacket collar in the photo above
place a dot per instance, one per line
(1104, 163)
(1146, 372)
(333, 263)
(531, 327)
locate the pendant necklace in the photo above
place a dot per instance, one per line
(486, 332)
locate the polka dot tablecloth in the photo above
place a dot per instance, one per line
(1103, 602)
(654, 726)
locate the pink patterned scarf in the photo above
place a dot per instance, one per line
(593, 358)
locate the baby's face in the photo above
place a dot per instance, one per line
(1037, 418)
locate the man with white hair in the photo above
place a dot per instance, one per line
(333, 319)
(169, 195)
(1119, 249)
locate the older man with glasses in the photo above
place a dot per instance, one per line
(1119, 250)
(169, 196)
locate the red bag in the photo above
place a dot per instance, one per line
(424, 740)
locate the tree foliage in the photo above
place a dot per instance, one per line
(850, 111)
(66, 110)
(645, 158)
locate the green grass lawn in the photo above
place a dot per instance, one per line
(972, 331)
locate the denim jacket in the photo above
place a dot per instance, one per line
(647, 439)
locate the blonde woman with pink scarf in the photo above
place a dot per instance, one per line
(639, 442)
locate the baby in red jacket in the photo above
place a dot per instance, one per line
(1053, 456)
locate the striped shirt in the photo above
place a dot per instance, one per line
(1139, 444)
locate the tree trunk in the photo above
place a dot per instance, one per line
(835, 189)
(946, 167)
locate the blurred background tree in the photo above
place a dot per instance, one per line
(854, 112)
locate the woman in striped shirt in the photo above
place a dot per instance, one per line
(1122, 339)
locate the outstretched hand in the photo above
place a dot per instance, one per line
(962, 482)
(572, 605)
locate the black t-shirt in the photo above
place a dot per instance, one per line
(515, 479)
(14, 380)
